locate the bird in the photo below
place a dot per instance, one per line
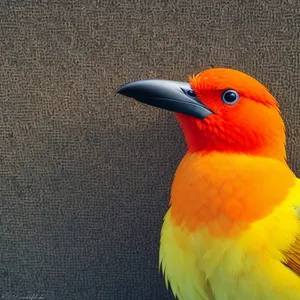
(231, 230)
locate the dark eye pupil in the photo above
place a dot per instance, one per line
(191, 93)
(230, 97)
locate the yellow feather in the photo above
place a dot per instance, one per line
(201, 266)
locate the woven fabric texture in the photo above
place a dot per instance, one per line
(85, 173)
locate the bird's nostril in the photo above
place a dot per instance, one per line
(191, 93)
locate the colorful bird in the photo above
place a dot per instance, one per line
(232, 230)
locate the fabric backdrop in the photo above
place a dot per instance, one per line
(85, 174)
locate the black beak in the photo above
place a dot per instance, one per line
(170, 95)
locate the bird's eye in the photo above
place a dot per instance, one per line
(191, 93)
(230, 97)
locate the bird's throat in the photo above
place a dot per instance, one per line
(215, 135)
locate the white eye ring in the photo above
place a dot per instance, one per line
(230, 97)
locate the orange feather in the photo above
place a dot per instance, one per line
(252, 126)
(215, 192)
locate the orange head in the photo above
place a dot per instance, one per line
(221, 110)
(245, 118)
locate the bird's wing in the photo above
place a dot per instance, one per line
(292, 256)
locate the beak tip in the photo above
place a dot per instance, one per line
(120, 90)
(124, 90)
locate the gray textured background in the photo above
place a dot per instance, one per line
(85, 173)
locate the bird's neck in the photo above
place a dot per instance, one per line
(224, 193)
(206, 137)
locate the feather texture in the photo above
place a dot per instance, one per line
(292, 255)
(202, 261)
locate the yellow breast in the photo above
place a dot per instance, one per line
(200, 265)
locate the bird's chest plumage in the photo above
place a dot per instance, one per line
(199, 266)
(225, 193)
(215, 232)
